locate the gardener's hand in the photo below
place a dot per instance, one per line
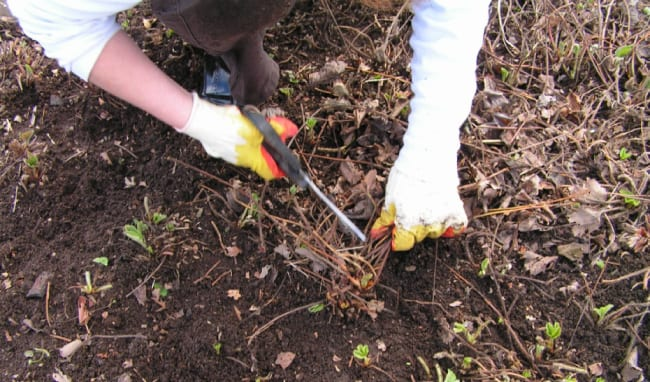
(226, 133)
(419, 205)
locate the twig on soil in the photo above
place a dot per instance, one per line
(206, 275)
(149, 276)
(216, 230)
(266, 326)
(513, 334)
(125, 149)
(643, 271)
(15, 201)
(118, 336)
(202, 172)
(47, 305)
(545, 204)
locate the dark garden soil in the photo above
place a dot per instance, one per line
(559, 221)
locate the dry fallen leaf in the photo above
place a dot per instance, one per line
(586, 220)
(536, 264)
(232, 251)
(234, 294)
(284, 359)
(82, 310)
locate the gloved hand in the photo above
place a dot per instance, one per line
(420, 205)
(421, 193)
(226, 133)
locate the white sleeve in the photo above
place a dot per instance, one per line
(447, 36)
(72, 32)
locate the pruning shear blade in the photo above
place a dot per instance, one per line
(290, 165)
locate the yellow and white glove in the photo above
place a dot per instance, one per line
(421, 193)
(226, 133)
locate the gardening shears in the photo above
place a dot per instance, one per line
(290, 165)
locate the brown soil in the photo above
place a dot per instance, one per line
(226, 279)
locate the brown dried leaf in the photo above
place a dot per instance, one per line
(536, 264)
(234, 294)
(140, 294)
(232, 251)
(284, 359)
(328, 72)
(585, 219)
(350, 172)
(573, 251)
(83, 314)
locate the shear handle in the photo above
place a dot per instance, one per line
(280, 153)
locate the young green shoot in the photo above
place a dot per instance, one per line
(451, 376)
(217, 347)
(88, 287)
(484, 267)
(102, 260)
(311, 123)
(623, 154)
(504, 74)
(462, 328)
(362, 353)
(136, 232)
(31, 161)
(250, 212)
(316, 308)
(158, 218)
(601, 313)
(161, 290)
(629, 198)
(553, 332)
(36, 356)
(467, 363)
(527, 374)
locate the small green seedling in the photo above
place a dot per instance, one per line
(629, 198)
(88, 288)
(36, 356)
(103, 260)
(484, 267)
(311, 123)
(553, 332)
(251, 212)
(316, 308)
(365, 280)
(600, 264)
(136, 232)
(362, 352)
(32, 161)
(623, 154)
(158, 218)
(162, 291)
(451, 376)
(288, 92)
(600, 379)
(467, 363)
(527, 374)
(217, 347)
(601, 313)
(504, 74)
(623, 51)
(569, 378)
(293, 190)
(169, 33)
(469, 336)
